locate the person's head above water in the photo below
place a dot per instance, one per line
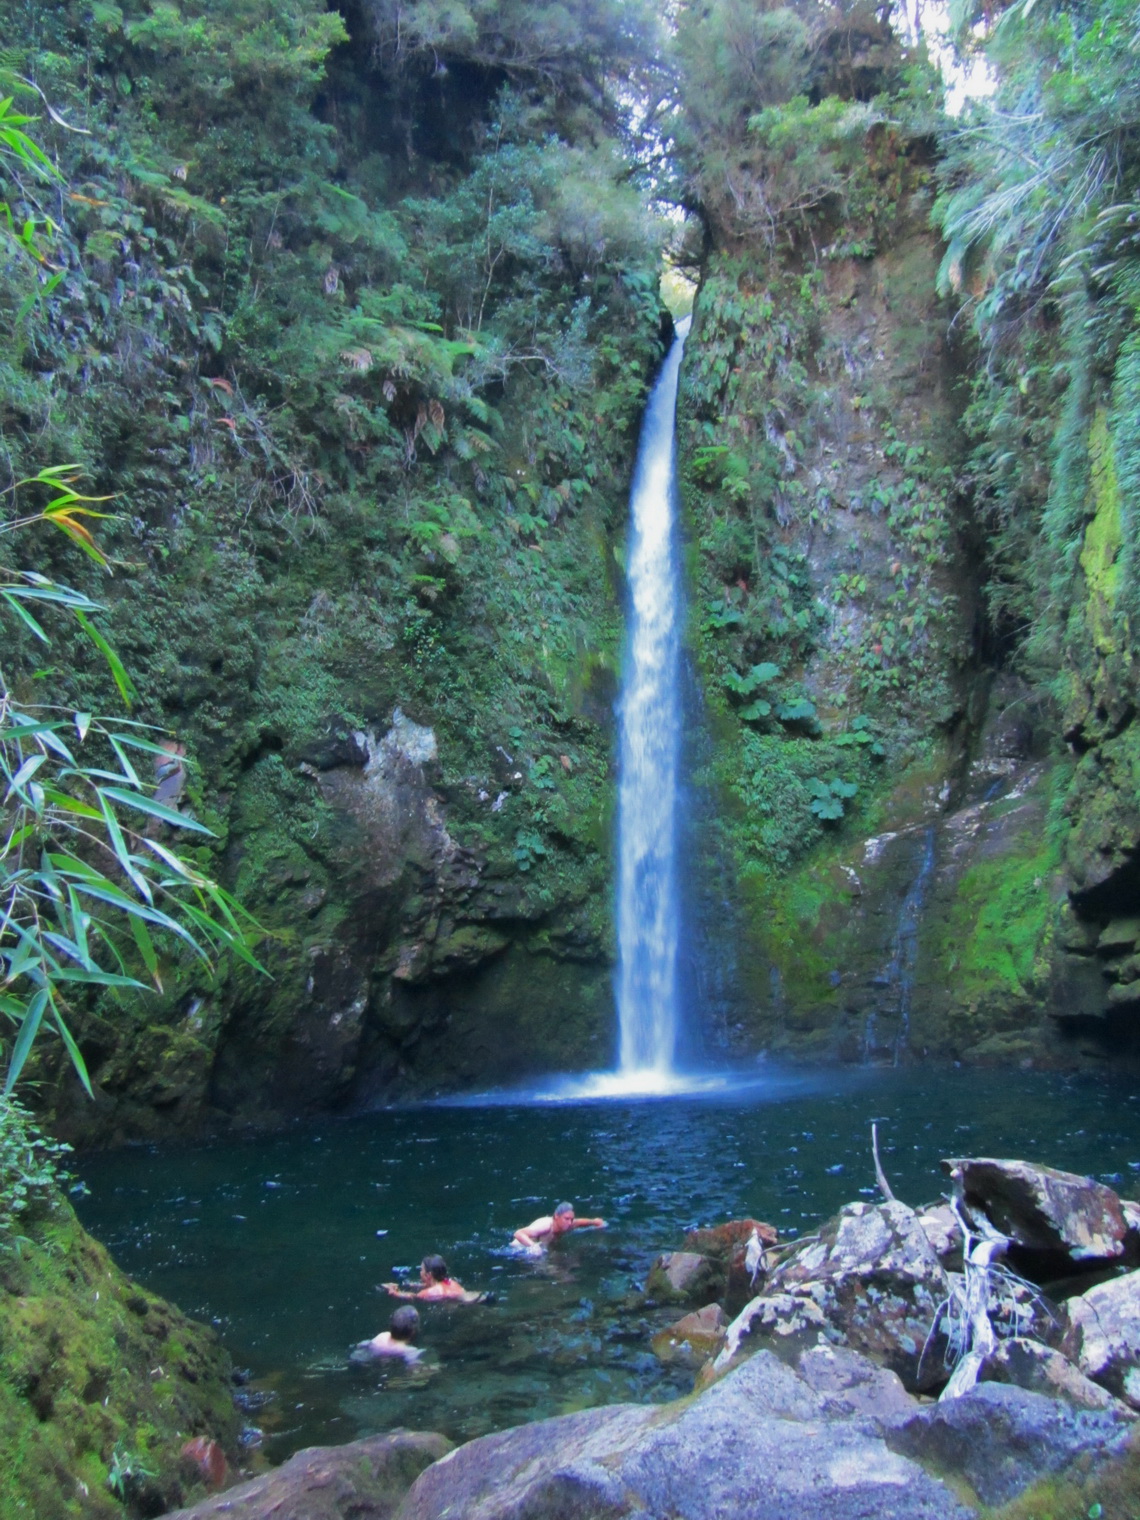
(405, 1323)
(434, 1269)
(563, 1218)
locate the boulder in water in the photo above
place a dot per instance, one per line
(728, 1245)
(364, 1480)
(685, 1277)
(692, 1339)
(1056, 1214)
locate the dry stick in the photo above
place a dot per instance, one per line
(880, 1175)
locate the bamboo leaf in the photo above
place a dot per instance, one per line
(29, 1028)
(155, 809)
(119, 845)
(25, 773)
(25, 616)
(118, 672)
(73, 1051)
(147, 950)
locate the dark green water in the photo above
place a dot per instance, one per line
(276, 1239)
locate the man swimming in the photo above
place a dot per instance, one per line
(436, 1285)
(397, 1340)
(536, 1236)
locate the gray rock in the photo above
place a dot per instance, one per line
(364, 1480)
(1029, 1364)
(685, 1277)
(851, 1387)
(871, 1281)
(1000, 1439)
(692, 1339)
(944, 1234)
(1103, 1337)
(760, 1443)
(1043, 1209)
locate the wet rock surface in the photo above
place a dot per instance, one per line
(364, 1480)
(694, 1338)
(733, 1247)
(685, 1277)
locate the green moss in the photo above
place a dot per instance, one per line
(90, 1362)
(1103, 1490)
(1104, 537)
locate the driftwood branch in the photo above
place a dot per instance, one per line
(880, 1175)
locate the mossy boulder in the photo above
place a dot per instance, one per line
(101, 1382)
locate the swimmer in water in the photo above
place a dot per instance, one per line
(536, 1236)
(397, 1340)
(437, 1285)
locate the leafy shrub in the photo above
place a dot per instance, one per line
(29, 1167)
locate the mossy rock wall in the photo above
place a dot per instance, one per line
(891, 818)
(369, 473)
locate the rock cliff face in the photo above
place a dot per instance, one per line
(914, 846)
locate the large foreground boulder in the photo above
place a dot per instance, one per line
(871, 1281)
(364, 1480)
(1044, 1211)
(766, 1442)
(1000, 1439)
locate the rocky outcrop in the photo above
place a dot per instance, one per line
(405, 959)
(1000, 1439)
(364, 1480)
(870, 1281)
(832, 1436)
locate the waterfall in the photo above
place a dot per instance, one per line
(648, 916)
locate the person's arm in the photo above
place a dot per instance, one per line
(396, 1291)
(589, 1224)
(527, 1242)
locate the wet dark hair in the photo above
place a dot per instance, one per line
(564, 1208)
(436, 1267)
(404, 1323)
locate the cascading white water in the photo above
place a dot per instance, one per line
(648, 917)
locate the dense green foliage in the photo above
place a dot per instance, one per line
(1039, 211)
(354, 325)
(63, 916)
